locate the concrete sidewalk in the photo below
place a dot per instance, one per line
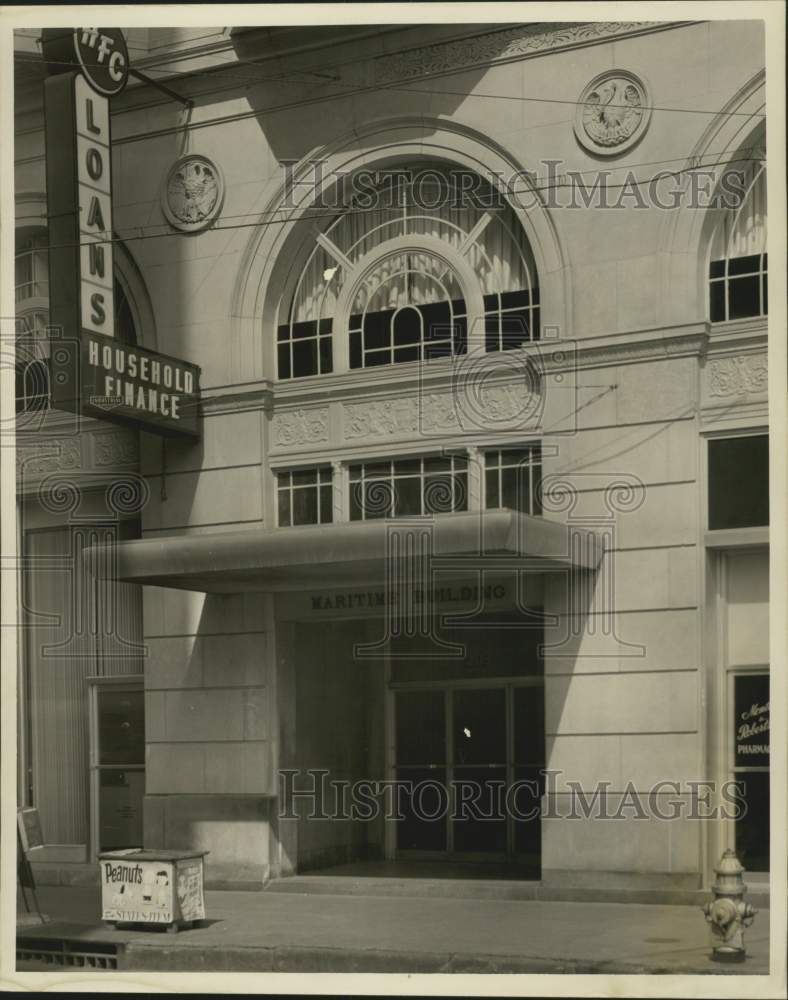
(301, 932)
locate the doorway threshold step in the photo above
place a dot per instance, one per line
(500, 889)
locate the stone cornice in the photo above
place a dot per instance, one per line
(738, 336)
(689, 340)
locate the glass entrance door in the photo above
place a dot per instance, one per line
(461, 748)
(479, 758)
(118, 765)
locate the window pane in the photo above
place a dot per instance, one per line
(461, 491)
(356, 493)
(301, 331)
(438, 494)
(510, 300)
(305, 506)
(376, 330)
(284, 508)
(744, 265)
(479, 735)
(326, 358)
(529, 739)
(283, 362)
(304, 477)
(420, 727)
(717, 301)
(121, 725)
(480, 824)
(738, 482)
(419, 831)
(752, 829)
(406, 327)
(437, 320)
(407, 466)
(536, 478)
(526, 802)
(378, 499)
(492, 499)
(120, 809)
(516, 456)
(717, 269)
(355, 349)
(511, 496)
(751, 720)
(408, 493)
(304, 357)
(402, 354)
(743, 297)
(326, 506)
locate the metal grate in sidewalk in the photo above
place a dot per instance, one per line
(58, 953)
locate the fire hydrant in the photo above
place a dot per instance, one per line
(727, 913)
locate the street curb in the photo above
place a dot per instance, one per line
(145, 957)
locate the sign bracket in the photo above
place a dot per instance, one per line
(187, 102)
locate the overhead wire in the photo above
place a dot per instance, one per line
(311, 213)
(350, 89)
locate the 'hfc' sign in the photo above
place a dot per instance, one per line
(88, 66)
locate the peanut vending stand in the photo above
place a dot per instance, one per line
(152, 887)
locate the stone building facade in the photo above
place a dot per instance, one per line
(555, 390)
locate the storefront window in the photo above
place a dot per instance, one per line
(398, 488)
(751, 768)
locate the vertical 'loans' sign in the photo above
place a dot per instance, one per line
(79, 190)
(91, 374)
(94, 190)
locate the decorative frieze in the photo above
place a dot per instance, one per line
(498, 46)
(300, 427)
(475, 408)
(115, 448)
(48, 455)
(743, 375)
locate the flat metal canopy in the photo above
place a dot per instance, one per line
(294, 558)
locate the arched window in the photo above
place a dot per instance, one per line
(738, 266)
(388, 279)
(32, 322)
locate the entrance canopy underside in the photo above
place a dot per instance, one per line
(291, 558)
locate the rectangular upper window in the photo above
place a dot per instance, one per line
(512, 478)
(739, 482)
(304, 496)
(403, 487)
(738, 288)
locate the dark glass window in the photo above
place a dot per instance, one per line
(304, 496)
(738, 288)
(512, 478)
(751, 768)
(410, 333)
(511, 319)
(304, 348)
(121, 716)
(739, 482)
(398, 488)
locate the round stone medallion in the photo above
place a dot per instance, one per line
(192, 193)
(613, 112)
